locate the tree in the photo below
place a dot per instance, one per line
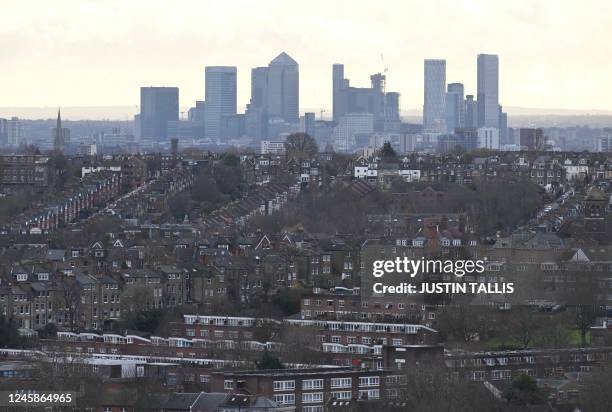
(9, 335)
(143, 321)
(387, 152)
(288, 301)
(68, 302)
(204, 189)
(269, 361)
(523, 325)
(301, 146)
(585, 317)
(524, 390)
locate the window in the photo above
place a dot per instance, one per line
(478, 376)
(285, 399)
(342, 395)
(310, 384)
(312, 397)
(369, 381)
(501, 374)
(284, 386)
(312, 408)
(228, 385)
(341, 383)
(397, 342)
(369, 394)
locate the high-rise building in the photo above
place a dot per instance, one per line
(307, 124)
(338, 85)
(61, 135)
(350, 127)
(471, 112)
(283, 91)
(349, 100)
(259, 87)
(604, 142)
(488, 138)
(14, 131)
(503, 127)
(455, 107)
(392, 106)
(3, 133)
(221, 90)
(158, 106)
(488, 90)
(531, 139)
(434, 108)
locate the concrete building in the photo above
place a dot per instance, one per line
(455, 107)
(434, 108)
(270, 147)
(220, 98)
(531, 139)
(283, 88)
(351, 125)
(488, 138)
(158, 106)
(14, 132)
(488, 90)
(307, 124)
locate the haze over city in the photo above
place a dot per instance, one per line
(101, 53)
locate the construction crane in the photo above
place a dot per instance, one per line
(384, 85)
(321, 115)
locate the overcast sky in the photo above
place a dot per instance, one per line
(553, 54)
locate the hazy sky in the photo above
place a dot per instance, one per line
(553, 54)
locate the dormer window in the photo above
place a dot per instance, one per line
(22, 277)
(43, 276)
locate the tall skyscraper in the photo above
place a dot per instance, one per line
(61, 135)
(307, 124)
(259, 87)
(338, 84)
(488, 90)
(283, 92)
(434, 108)
(221, 89)
(158, 106)
(455, 107)
(471, 112)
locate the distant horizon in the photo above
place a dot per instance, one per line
(127, 112)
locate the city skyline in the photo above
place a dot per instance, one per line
(112, 61)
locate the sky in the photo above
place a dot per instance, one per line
(553, 54)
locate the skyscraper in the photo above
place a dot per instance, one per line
(158, 106)
(488, 90)
(221, 89)
(338, 84)
(283, 92)
(434, 108)
(259, 87)
(455, 107)
(471, 112)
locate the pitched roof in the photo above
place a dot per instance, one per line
(283, 59)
